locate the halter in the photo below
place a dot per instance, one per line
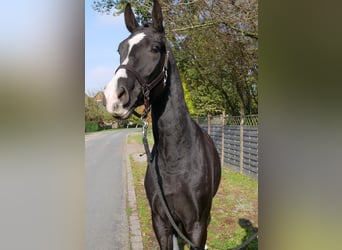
(147, 87)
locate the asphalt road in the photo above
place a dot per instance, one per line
(106, 219)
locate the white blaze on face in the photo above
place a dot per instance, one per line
(113, 103)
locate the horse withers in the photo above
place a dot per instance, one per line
(184, 157)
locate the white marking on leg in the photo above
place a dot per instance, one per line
(175, 242)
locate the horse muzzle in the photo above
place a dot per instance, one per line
(116, 100)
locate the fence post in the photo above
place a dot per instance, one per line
(222, 142)
(241, 141)
(208, 117)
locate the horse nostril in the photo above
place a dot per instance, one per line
(122, 94)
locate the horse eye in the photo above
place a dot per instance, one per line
(155, 49)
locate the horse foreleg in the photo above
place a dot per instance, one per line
(163, 232)
(178, 244)
(197, 234)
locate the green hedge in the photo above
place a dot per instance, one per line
(91, 126)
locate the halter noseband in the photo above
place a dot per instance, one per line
(147, 87)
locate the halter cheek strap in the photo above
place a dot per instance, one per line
(147, 87)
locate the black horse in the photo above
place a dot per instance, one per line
(184, 156)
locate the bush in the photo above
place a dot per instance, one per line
(91, 126)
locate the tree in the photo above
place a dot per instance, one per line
(116, 7)
(215, 43)
(94, 109)
(217, 47)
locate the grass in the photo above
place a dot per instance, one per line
(136, 138)
(234, 214)
(138, 171)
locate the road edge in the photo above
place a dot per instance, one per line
(133, 218)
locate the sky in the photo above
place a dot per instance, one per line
(103, 33)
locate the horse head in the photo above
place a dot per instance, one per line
(143, 66)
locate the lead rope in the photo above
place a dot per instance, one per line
(159, 188)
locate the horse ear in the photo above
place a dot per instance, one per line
(131, 22)
(157, 16)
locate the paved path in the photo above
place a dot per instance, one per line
(134, 225)
(106, 219)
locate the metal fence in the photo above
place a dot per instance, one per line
(239, 137)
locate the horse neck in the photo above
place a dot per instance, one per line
(170, 116)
